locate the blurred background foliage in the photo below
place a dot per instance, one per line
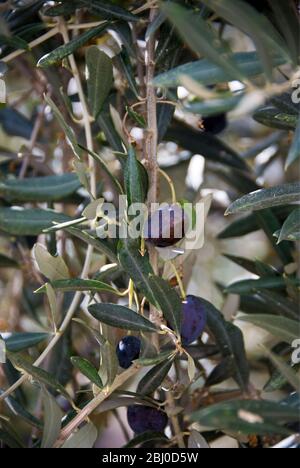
(231, 68)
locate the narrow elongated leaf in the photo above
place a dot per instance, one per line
(100, 78)
(274, 118)
(18, 409)
(104, 246)
(123, 63)
(294, 153)
(133, 181)
(20, 341)
(286, 371)
(101, 340)
(63, 9)
(200, 37)
(213, 107)
(151, 361)
(68, 131)
(54, 268)
(137, 266)
(245, 263)
(279, 304)
(269, 222)
(14, 42)
(109, 363)
(230, 340)
(169, 302)
(136, 117)
(222, 372)
(53, 303)
(84, 438)
(288, 22)
(13, 375)
(281, 327)
(70, 285)
(106, 124)
(65, 50)
(285, 103)
(208, 73)
(28, 222)
(121, 317)
(154, 378)
(257, 26)
(249, 223)
(143, 172)
(39, 375)
(109, 10)
(247, 417)
(274, 282)
(87, 369)
(291, 229)
(61, 226)
(9, 436)
(205, 144)
(52, 420)
(40, 189)
(98, 158)
(266, 198)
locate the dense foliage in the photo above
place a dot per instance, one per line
(102, 330)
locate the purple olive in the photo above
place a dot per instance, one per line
(143, 418)
(166, 226)
(193, 321)
(215, 124)
(128, 350)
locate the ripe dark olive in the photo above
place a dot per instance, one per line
(31, 241)
(215, 124)
(166, 226)
(193, 320)
(143, 418)
(128, 350)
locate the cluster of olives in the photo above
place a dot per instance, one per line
(193, 324)
(144, 418)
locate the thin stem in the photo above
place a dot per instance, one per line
(48, 35)
(174, 419)
(179, 280)
(171, 185)
(45, 37)
(34, 136)
(92, 24)
(151, 139)
(151, 134)
(85, 111)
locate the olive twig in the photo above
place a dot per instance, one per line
(179, 280)
(171, 185)
(130, 293)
